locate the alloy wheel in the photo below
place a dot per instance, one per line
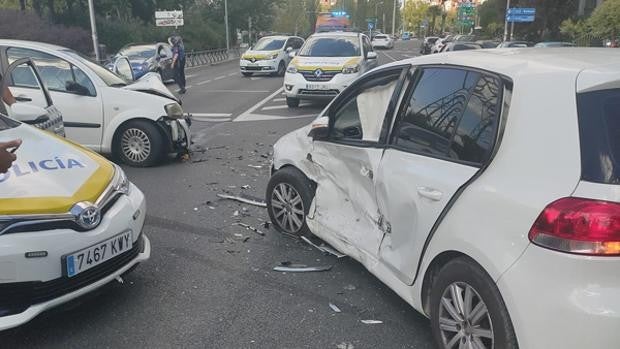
(136, 145)
(288, 207)
(464, 319)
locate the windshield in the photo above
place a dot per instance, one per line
(107, 76)
(269, 44)
(138, 52)
(331, 47)
(6, 123)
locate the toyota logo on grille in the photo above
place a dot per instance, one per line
(87, 215)
(318, 73)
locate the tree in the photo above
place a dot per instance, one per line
(605, 20)
(414, 14)
(433, 11)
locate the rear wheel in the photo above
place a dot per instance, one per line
(292, 102)
(139, 143)
(246, 73)
(289, 195)
(467, 310)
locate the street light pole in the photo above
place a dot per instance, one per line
(93, 28)
(506, 20)
(226, 25)
(393, 18)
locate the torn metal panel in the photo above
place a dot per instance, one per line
(371, 322)
(323, 248)
(242, 199)
(335, 308)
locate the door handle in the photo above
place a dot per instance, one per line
(23, 99)
(430, 193)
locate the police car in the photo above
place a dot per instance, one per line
(271, 54)
(70, 222)
(326, 64)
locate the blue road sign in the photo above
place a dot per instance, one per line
(521, 11)
(520, 18)
(370, 25)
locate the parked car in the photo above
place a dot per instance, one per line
(139, 122)
(326, 64)
(70, 222)
(406, 36)
(382, 41)
(146, 58)
(490, 209)
(488, 43)
(461, 46)
(271, 54)
(427, 45)
(554, 44)
(47, 118)
(515, 44)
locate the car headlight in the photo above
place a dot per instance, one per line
(291, 69)
(174, 111)
(121, 183)
(274, 56)
(350, 69)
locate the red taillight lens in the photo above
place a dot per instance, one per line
(581, 226)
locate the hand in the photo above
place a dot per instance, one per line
(6, 156)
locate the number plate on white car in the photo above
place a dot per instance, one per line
(317, 87)
(94, 255)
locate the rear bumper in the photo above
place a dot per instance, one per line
(558, 300)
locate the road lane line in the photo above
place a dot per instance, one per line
(233, 74)
(211, 119)
(390, 57)
(279, 99)
(254, 78)
(220, 77)
(262, 117)
(248, 112)
(274, 107)
(234, 91)
(204, 82)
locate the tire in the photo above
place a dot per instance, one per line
(139, 143)
(246, 74)
(463, 276)
(281, 69)
(292, 102)
(285, 210)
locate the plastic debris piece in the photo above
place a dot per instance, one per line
(119, 279)
(345, 345)
(323, 248)
(236, 213)
(247, 186)
(242, 199)
(335, 308)
(303, 269)
(256, 166)
(371, 322)
(249, 227)
(350, 287)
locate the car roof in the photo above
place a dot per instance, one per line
(278, 36)
(513, 62)
(336, 33)
(30, 44)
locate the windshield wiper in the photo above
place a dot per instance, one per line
(118, 84)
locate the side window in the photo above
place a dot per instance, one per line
(297, 43)
(56, 73)
(433, 112)
(360, 116)
(367, 45)
(475, 135)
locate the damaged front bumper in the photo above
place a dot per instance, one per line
(178, 133)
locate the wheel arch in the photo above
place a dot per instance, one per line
(162, 131)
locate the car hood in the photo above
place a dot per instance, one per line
(151, 83)
(257, 55)
(50, 174)
(324, 63)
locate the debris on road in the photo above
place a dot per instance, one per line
(335, 308)
(119, 279)
(249, 227)
(350, 287)
(371, 322)
(345, 345)
(323, 248)
(242, 199)
(305, 269)
(247, 186)
(258, 167)
(266, 225)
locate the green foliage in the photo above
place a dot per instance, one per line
(415, 13)
(605, 20)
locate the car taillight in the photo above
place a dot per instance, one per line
(580, 226)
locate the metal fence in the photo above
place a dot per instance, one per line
(196, 58)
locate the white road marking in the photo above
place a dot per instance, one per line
(190, 76)
(211, 114)
(254, 78)
(220, 77)
(199, 119)
(204, 82)
(234, 91)
(233, 74)
(274, 107)
(248, 112)
(390, 57)
(279, 99)
(262, 117)
(188, 86)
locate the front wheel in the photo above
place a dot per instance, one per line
(139, 143)
(281, 68)
(289, 195)
(292, 102)
(467, 310)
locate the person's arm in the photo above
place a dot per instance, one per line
(7, 96)
(175, 56)
(7, 155)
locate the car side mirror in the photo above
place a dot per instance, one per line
(163, 55)
(289, 49)
(371, 55)
(28, 113)
(319, 129)
(292, 54)
(72, 86)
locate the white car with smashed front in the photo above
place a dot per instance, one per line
(326, 64)
(139, 122)
(481, 186)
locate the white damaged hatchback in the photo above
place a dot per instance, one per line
(482, 187)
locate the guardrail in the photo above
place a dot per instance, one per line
(196, 58)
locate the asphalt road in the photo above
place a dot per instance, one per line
(210, 284)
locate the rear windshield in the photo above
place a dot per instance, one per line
(599, 132)
(380, 37)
